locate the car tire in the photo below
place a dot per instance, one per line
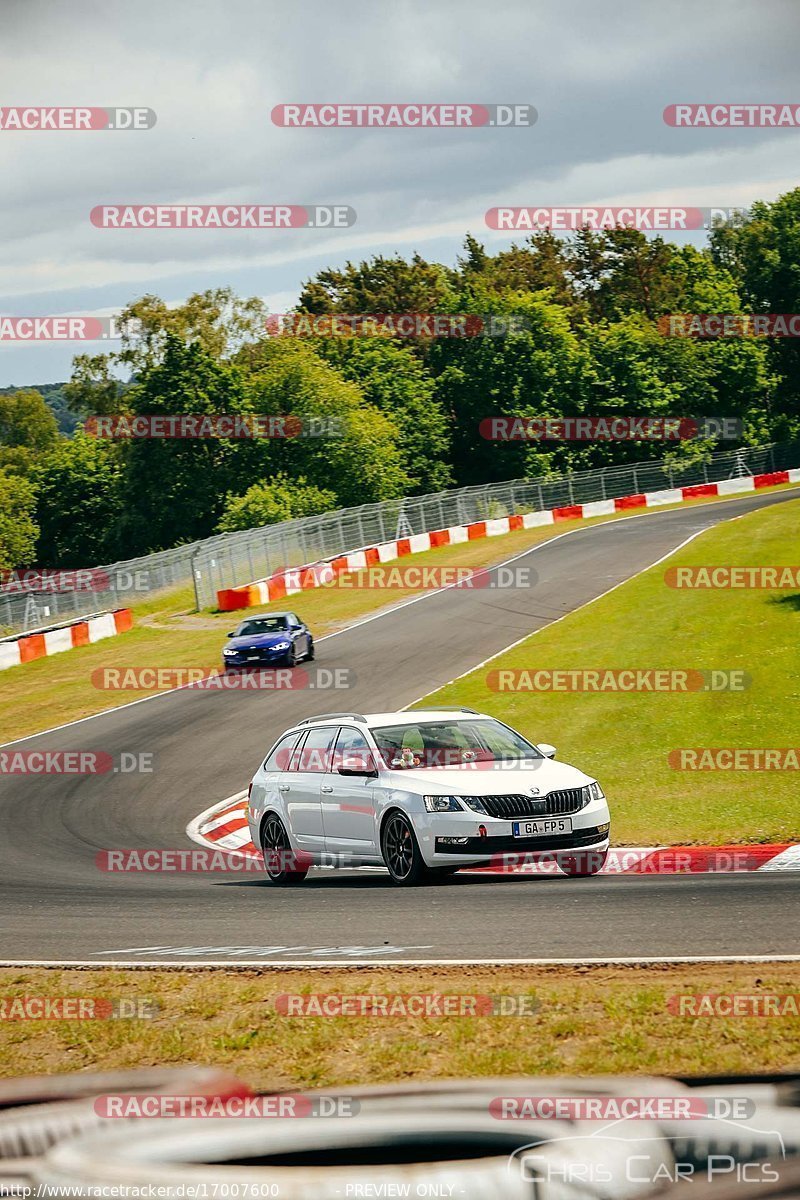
(276, 848)
(290, 658)
(310, 654)
(583, 864)
(401, 852)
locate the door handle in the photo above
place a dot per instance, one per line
(326, 787)
(283, 787)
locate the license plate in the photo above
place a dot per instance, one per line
(550, 825)
(253, 657)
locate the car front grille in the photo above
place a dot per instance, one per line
(557, 804)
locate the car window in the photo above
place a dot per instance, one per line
(293, 619)
(450, 744)
(316, 752)
(278, 759)
(352, 750)
(294, 761)
(261, 625)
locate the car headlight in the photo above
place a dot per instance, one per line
(475, 804)
(230, 651)
(442, 804)
(281, 646)
(593, 792)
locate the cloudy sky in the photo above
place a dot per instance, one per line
(598, 74)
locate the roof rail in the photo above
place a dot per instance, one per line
(330, 716)
(444, 708)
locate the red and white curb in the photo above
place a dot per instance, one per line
(81, 632)
(318, 574)
(224, 827)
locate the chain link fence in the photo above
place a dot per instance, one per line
(232, 559)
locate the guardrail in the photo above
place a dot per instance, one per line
(229, 559)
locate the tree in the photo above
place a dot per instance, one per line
(79, 503)
(18, 528)
(382, 285)
(357, 452)
(763, 253)
(27, 428)
(279, 499)
(538, 369)
(217, 320)
(394, 379)
(175, 488)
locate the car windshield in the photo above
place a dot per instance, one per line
(450, 744)
(261, 625)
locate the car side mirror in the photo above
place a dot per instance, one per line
(231, 634)
(546, 749)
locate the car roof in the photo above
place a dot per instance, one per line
(257, 616)
(422, 714)
(395, 718)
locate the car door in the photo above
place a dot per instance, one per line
(301, 787)
(348, 801)
(298, 634)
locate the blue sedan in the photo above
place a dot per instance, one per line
(268, 640)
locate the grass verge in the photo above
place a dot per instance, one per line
(588, 1020)
(624, 739)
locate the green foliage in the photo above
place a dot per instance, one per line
(175, 488)
(360, 458)
(18, 528)
(79, 503)
(27, 428)
(395, 380)
(279, 499)
(763, 255)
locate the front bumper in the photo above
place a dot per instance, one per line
(590, 830)
(488, 847)
(264, 658)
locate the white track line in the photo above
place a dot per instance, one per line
(414, 600)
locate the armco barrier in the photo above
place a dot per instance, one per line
(15, 651)
(312, 575)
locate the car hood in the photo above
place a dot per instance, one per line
(257, 639)
(489, 779)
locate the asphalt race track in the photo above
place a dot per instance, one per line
(57, 906)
